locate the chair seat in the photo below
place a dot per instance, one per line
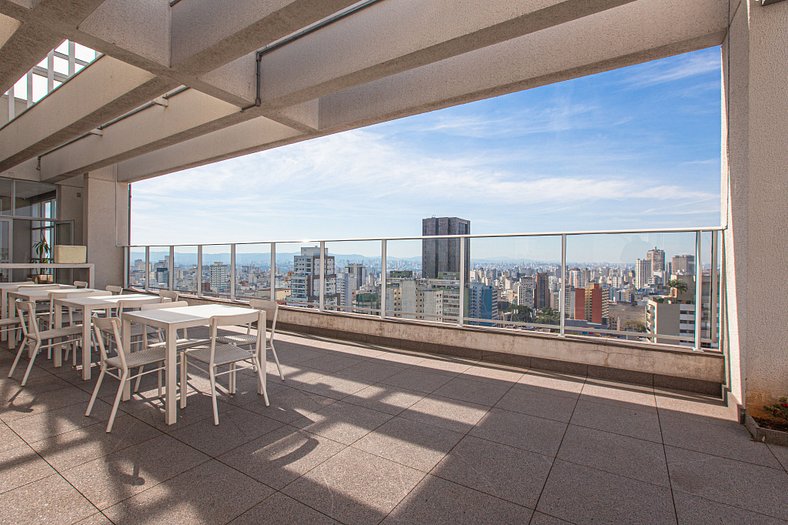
(238, 339)
(141, 358)
(60, 332)
(225, 354)
(182, 343)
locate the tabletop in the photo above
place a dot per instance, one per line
(106, 300)
(35, 294)
(17, 284)
(186, 316)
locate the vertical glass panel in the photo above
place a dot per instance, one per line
(297, 281)
(6, 189)
(185, 269)
(39, 87)
(514, 282)
(354, 284)
(61, 66)
(710, 290)
(216, 271)
(35, 199)
(5, 248)
(84, 53)
(253, 271)
(137, 268)
(422, 280)
(159, 277)
(639, 287)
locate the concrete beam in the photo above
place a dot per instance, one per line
(390, 37)
(41, 30)
(597, 43)
(115, 88)
(211, 147)
(188, 114)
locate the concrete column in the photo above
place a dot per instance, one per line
(754, 187)
(105, 224)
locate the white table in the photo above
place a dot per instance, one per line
(5, 288)
(170, 320)
(88, 305)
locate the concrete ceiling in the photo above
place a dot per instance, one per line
(197, 62)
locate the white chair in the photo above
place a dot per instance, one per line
(114, 290)
(80, 284)
(248, 338)
(170, 294)
(122, 363)
(32, 335)
(216, 355)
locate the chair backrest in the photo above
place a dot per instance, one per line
(217, 321)
(111, 326)
(115, 290)
(167, 304)
(26, 310)
(169, 294)
(265, 304)
(81, 284)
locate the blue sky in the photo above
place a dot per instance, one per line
(638, 147)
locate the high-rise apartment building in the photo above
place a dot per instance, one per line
(683, 265)
(218, 277)
(642, 273)
(657, 259)
(542, 291)
(482, 303)
(305, 281)
(442, 256)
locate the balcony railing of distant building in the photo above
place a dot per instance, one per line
(395, 287)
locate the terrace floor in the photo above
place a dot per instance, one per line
(358, 434)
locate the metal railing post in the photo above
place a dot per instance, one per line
(272, 275)
(322, 293)
(461, 313)
(232, 272)
(714, 295)
(383, 279)
(147, 268)
(171, 270)
(199, 270)
(562, 298)
(126, 266)
(698, 290)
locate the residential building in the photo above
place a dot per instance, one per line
(440, 257)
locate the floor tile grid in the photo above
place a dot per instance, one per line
(665, 454)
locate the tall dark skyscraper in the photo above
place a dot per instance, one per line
(542, 292)
(443, 255)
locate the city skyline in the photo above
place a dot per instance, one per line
(633, 148)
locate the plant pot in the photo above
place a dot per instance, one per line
(765, 435)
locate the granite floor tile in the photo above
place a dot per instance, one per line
(580, 494)
(745, 485)
(500, 470)
(41, 426)
(614, 453)
(781, 453)
(281, 456)
(290, 405)
(384, 398)
(539, 401)
(345, 423)
(355, 487)
(534, 434)
(601, 391)
(511, 375)
(440, 502)
(480, 391)
(110, 479)
(557, 382)
(28, 403)
(279, 509)
(540, 518)
(451, 414)
(50, 500)
(420, 379)
(8, 438)
(20, 466)
(627, 419)
(208, 494)
(417, 445)
(692, 510)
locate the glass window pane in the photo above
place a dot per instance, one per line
(32, 199)
(6, 187)
(185, 268)
(216, 271)
(253, 271)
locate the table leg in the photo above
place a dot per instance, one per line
(4, 301)
(126, 336)
(58, 358)
(170, 368)
(86, 343)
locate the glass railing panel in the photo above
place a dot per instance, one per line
(216, 271)
(253, 271)
(185, 269)
(159, 270)
(514, 282)
(137, 268)
(354, 277)
(297, 282)
(711, 257)
(638, 287)
(423, 280)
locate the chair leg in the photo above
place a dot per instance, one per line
(96, 390)
(261, 378)
(18, 355)
(184, 387)
(36, 348)
(231, 386)
(213, 396)
(276, 358)
(158, 380)
(123, 378)
(139, 379)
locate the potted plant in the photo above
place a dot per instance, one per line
(42, 250)
(774, 427)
